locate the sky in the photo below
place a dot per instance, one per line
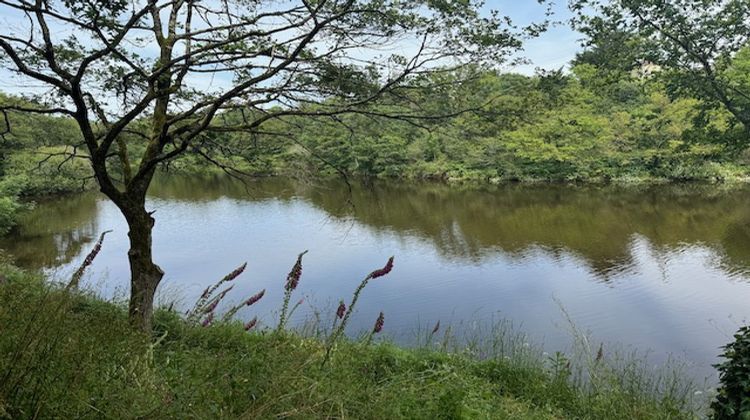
(552, 50)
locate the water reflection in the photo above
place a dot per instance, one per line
(465, 223)
(470, 223)
(54, 232)
(595, 223)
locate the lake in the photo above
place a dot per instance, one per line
(663, 268)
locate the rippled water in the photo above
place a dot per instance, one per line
(660, 268)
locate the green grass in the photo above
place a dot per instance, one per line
(74, 356)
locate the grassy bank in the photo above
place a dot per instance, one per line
(71, 355)
(21, 187)
(705, 172)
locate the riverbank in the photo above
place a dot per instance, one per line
(74, 356)
(707, 172)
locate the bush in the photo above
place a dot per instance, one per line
(27, 177)
(23, 176)
(8, 209)
(733, 400)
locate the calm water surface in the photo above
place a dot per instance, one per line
(659, 268)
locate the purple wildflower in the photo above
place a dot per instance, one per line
(87, 261)
(215, 302)
(382, 271)
(341, 310)
(250, 325)
(234, 274)
(209, 319)
(256, 297)
(224, 293)
(379, 324)
(292, 280)
(212, 306)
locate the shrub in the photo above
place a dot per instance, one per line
(8, 209)
(733, 399)
(28, 175)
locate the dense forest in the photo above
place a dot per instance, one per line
(597, 121)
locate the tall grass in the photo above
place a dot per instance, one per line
(65, 353)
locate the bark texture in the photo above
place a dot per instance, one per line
(145, 274)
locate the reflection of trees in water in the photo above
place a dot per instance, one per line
(204, 188)
(736, 245)
(597, 224)
(54, 232)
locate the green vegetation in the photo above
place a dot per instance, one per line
(8, 209)
(733, 401)
(35, 160)
(593, 123)
(698, 46)
(590, 124)
(72, 355)
(550, 127)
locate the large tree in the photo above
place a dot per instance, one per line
(171, 75)
(695, 42)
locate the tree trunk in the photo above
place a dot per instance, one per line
(144, 274)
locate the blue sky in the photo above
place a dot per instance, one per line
(554, 48)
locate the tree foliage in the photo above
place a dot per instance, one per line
(551, 126)
(695, 42)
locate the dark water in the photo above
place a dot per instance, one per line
(659, 268)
